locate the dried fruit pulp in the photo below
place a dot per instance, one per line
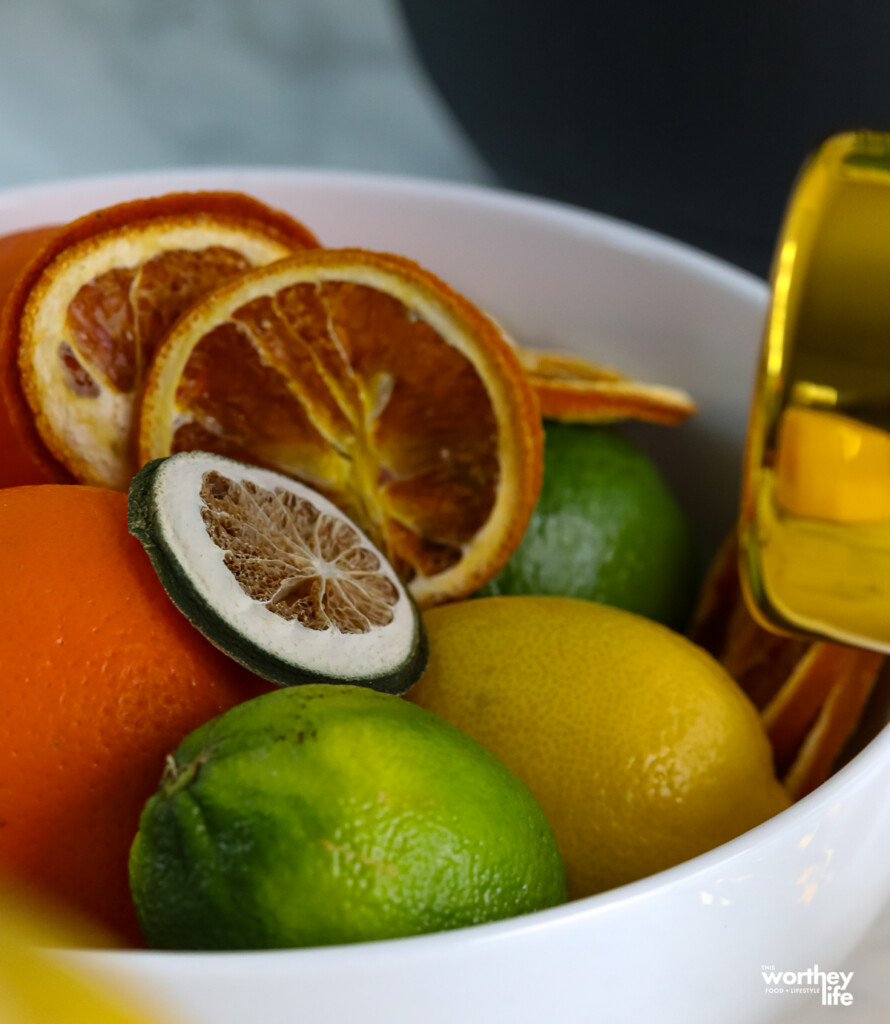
(370, 431)
(299, 595)
(287, 554)
(371, 381)
(84, 320)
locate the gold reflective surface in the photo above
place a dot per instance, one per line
(815, 521)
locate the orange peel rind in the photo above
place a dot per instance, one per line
(573, 389)
(835, 723)
(369, 379)
(79, 326)
(810, 695)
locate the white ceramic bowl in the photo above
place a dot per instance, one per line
(684, 946)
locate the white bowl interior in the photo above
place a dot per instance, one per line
(557, 277)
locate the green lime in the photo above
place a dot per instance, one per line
(275, 575)
(606, 528)
(329, 814)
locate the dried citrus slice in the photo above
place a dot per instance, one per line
(836, 722)
(576, 390)
(84, 319)
(810, 696)
(275, 575)
(369, 379)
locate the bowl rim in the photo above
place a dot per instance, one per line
(711, 271)
(869, 762)
(619, 233)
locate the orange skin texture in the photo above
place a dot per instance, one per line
(16, 251)
(23, 457)
(102, 677)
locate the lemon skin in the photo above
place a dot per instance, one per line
(640, 749)
(326, 814)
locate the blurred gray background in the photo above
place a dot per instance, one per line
(98, 86)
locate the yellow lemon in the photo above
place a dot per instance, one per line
(640, 749)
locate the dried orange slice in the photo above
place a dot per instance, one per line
(85, 317)
(372, 381)
(810, 695)
(576, 390)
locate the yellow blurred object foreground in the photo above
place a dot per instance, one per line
(639, 747)
(36, 988)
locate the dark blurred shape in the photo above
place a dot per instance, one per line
(687, 117)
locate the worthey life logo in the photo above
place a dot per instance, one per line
(832, 986)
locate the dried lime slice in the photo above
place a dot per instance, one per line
(276, 575)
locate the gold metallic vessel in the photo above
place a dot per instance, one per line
(815, 520)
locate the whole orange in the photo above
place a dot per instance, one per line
(16, 251)
(25, 459)
(100, 678)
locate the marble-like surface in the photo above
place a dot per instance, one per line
(96, 86)
(99, 86)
